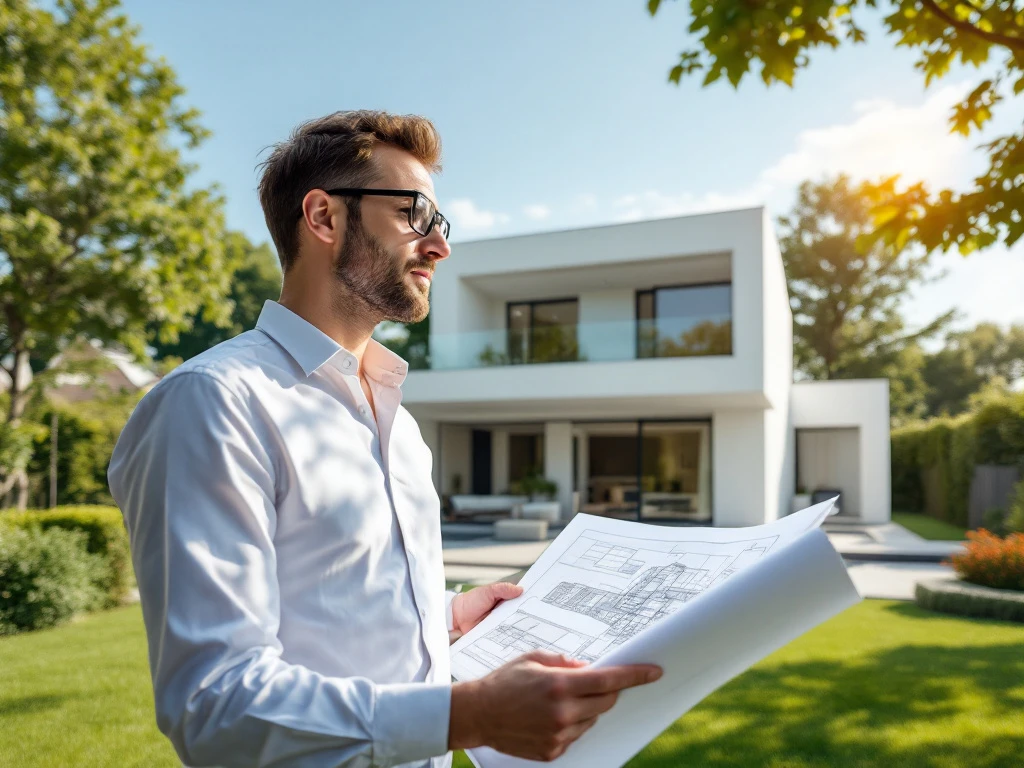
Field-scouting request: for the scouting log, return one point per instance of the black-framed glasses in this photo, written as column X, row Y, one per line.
column 423, row 214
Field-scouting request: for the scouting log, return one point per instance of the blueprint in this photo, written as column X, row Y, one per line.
column 605, row 588
column 702, row 603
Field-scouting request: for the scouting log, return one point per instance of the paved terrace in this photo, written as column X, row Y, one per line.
column 884, row 561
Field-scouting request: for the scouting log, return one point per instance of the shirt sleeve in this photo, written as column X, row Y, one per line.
column 449, row 598
column 197, row 491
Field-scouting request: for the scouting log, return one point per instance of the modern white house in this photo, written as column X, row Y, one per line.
column 647, row 369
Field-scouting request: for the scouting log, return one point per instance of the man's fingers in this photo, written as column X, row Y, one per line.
column 589, row 707
column 588, row 682
column 549, row 659
column 505, row 591
column 573, row 732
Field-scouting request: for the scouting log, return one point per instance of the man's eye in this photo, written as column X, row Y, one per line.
column 404, row 210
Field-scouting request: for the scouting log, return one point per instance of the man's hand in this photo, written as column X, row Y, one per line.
column 470, row 608
column 539, row 704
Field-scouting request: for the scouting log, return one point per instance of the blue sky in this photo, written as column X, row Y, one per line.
column 558, row 115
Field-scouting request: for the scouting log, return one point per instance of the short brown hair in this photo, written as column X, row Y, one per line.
column 334, row 151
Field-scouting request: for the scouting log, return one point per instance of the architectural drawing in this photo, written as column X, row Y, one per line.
column 599, row 592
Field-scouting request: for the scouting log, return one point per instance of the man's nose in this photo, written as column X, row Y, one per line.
column 436, row 246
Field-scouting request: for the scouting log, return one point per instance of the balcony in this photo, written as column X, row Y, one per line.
column 710, row 335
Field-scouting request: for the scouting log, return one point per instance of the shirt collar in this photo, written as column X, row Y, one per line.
column 311, row 348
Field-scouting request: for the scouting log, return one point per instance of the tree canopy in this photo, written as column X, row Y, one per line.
column 256, row 278
column 774, row 40
column 100, row 230
column 846, row 292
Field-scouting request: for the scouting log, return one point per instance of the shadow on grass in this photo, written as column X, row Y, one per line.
column 913, row 611
column 912, row 706
column 28, row 705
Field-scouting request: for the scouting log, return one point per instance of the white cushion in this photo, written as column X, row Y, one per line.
column 521, row 530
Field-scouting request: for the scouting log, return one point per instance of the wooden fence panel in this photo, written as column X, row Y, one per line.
column 991, row 488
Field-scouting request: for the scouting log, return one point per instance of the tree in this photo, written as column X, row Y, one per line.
column 845, row 292
column 970, row 361
column 100, row 232
column 735, row 36
column 256, row 279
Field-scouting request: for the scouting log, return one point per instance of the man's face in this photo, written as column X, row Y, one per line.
column 382, row 258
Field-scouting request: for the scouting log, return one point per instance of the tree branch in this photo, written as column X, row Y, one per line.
column 1013, row 43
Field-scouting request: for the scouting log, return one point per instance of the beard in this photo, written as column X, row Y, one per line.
column 378, row 277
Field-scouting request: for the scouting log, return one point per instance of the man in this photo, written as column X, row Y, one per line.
column 283, row 523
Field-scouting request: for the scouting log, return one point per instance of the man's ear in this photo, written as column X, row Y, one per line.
column 324, row 217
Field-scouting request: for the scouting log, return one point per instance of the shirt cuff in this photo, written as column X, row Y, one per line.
column 410, row 722
column 449, row 598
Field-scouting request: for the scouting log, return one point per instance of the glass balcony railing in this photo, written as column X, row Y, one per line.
column 605, row 342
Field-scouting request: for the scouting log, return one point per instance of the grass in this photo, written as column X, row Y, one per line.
column 883, row 684
column 929, row 528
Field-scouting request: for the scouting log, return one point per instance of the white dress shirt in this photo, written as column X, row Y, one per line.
column 287, row 547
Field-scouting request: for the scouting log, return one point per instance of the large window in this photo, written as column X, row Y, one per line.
column 543, row 331
column 647, row 470
column 684, row 321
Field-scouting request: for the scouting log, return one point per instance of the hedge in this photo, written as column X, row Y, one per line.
column 933, row 462
column 962, row 599
column 105, row 535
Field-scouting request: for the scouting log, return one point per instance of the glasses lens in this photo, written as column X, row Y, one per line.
column 422, row 214
column 445, row 226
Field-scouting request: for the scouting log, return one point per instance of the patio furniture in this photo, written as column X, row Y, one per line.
column 469, row 505
column 541, row 510
column 521, row 530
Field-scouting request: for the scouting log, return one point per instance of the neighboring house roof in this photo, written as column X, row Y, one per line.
column 123, row 373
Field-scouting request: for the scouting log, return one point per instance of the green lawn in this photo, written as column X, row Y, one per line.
column 884, row 684
column 928, row 527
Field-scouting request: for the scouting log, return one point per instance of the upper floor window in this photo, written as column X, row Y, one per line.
column 543, row 331
column 685, row 320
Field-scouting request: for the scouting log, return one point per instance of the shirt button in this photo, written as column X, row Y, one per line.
column 362, row 409
column 423, row 613
column 347, row 364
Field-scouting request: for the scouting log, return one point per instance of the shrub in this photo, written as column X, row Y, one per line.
column 933, row 462
column 991, row 561
column 46, row 577
column 961, row 599
column 995, row 520
column 105, row 536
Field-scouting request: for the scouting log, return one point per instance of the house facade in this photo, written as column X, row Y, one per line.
column 647, row 370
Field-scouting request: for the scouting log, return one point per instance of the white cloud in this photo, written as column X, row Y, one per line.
column 655, row 205
column 467, row 217
column 537, row 212
column 885, row 139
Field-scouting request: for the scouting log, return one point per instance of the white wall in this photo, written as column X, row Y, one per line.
column 862, row 403
column 777, row 330
column 558, row 461
column 738, row 467
column 499, row 460
column 456, row 457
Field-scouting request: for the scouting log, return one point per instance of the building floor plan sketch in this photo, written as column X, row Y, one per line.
column 704, row 604
column 604, row 589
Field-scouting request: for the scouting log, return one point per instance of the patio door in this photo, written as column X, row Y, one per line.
column 646, row 470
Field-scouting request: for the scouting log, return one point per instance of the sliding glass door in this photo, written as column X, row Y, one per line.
column 645, row 470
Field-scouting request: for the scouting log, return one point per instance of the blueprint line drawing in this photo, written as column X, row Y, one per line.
column 704, row 604
column 602, row 590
